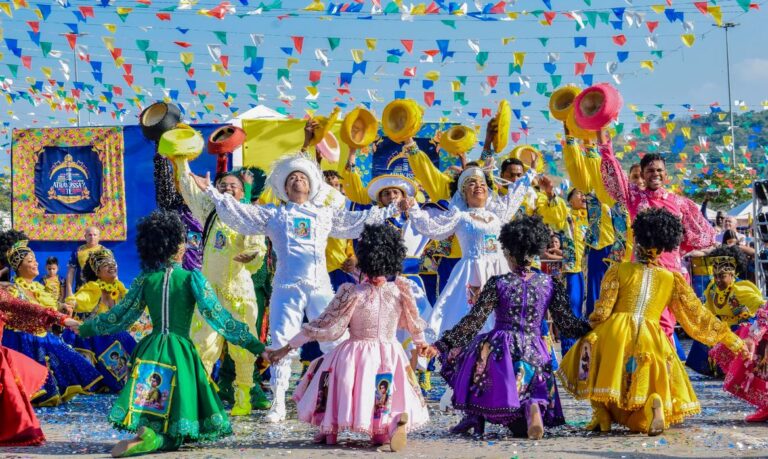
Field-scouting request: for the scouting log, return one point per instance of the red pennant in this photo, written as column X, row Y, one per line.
column 579, row 68
column 589, row 57
column 220, row 10
column 485, row 112
column 117, row 90
column 652, row 25
column 429, row 98
column 26, row 61
column 431, row 52
column 492, row 80
column 645, row 128
column 163, row 16
column 72, row 39
column 75, row 93
column 410, row 71
column 128, row 79
column 408, row 45
column 191, row 72
column 549, row 16
column 314, row 75
column 619, row 39
column 128, row 68
column 183, row 44
column 696, row 149
column 87, row 11
column 432, row 9
column 342, row 91
column 701, row 6
column 298, row 43
column 515, row 137
column 225, row 61
column 116, row 53
column 34, row 25
column 663, row 132
column 498, row 8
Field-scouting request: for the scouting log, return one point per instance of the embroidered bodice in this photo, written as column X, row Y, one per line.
column 299, row 233
column 737, row 303
column 520, row 306
column 369, row 312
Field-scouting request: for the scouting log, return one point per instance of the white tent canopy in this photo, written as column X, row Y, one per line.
column 259, row 112
column 742, row 212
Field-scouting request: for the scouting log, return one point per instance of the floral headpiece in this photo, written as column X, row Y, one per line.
column 722, row 264
column 17, row 253
column 99, row 258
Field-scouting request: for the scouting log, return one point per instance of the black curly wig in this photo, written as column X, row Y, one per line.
column 657, row 229
column 7, row 239
column 736, row 253
column 455, row 183
column 380, row 251
column 158, row 237
column 524, row 238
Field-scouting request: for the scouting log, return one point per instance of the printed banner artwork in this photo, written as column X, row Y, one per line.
column 388, row 156
column 66, row 179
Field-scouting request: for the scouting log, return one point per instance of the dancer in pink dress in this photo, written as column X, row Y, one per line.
column 366, row 384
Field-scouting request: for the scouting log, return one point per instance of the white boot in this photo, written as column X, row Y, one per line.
column 445, row 401
column 277, row 412
column 281, row 377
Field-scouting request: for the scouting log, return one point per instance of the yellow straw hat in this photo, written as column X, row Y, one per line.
column 325, row 123
column 576, row 131
column 561, row 101
column 503, row 125
column 359, row 128
column 458, row 140
column 181, row 142
column 527, row 154
column 401, row 119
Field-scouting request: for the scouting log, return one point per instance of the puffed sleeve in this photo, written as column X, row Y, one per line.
column 437, row 225
column 86, row 298
column 253, row 244
column 760, row 326
column 246, row 219
column 409, row 316
column 349, row 224
column 121, row 316
column 749, row 296
column 696, row 320
column 333, row 322
column 465, row 331
column 614, row 178
column 198, row 202
column 553, row 211
column 698, row 233
column 569, row 325
column 353, row 186
column 609, row 293
column 506, row 206
column 25, row 316
column 575, row 165
column 437, row 184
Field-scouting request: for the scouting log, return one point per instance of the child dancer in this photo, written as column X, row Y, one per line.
column 101, row 291
column 627, row 367
column 505, row 376
column 365, row 384
column 69, row 373
column 20, row 376
column 168, row 398
column 52, row 282
column 733, row 301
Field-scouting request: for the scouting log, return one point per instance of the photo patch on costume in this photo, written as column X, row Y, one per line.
column 194, row 239
column 115, row 360
column 153, row 387
column 220, row 242
column 383, row 400
column 585, row 357
column 302, row 228
column 523, row 375
column 322, row 392
column 490, row 243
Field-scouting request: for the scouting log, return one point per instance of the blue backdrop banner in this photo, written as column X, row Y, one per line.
column 68, row 179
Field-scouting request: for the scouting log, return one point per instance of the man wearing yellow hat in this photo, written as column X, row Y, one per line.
column 229, row 260
column 299, row 227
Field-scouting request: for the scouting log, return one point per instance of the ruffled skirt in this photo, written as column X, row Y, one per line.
column 110, row 354
column 361, row 386
column 20, row 378
column 746, row 379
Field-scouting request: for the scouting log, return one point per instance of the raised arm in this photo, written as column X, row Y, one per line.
column 698, row 233
column 436, row 225
column 348, row 224
column 615, row 180
column 86, row 298
column 197, row 201
column 121, row 316
column 697, row 321
column 353, row 184
column 466, row 330
column 25, row 316
column 609, row 293
column 437, row 184
column 506, row 206
column 246, row 219
column 333, row 322
column 220, row 319
column 409, row 316
column 575, row 164
column 569, row 325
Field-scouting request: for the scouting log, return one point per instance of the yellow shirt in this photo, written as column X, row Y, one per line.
column 88, row 297
column 555, row 213
column 738, row 303
column 337, row 251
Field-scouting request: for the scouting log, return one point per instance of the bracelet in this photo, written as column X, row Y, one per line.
column 486, row 153
column 570, row 140
column 351, row 167
column 411, row 149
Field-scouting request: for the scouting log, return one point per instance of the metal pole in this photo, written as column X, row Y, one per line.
column 74, row 58
column 727, row 26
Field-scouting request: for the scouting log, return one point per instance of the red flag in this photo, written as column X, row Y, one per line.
column 183, row 44
column 652, row 25
column 314, row 75
column 492, row 80
column 431, row 9
column 515, row 137
column 485, row 112
column 645, row 128
column 128, row 79
column 410, row 71
column 86, row 11
column 619, row 39
column 408, row 45
column 26, row 61
column 549, row 16
column 589, row 57
column 34, row 25
column 72, row 39
column 164, row 16
column 498, row 8
column 701, row 6
column 298, row 42
column 429, row 98
column 117, row 90
column 579, row 68
column 224, row 61
column 128, row 68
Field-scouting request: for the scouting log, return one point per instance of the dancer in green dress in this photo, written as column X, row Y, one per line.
column 168, row 398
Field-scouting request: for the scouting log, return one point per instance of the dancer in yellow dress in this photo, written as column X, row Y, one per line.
column 627, row 366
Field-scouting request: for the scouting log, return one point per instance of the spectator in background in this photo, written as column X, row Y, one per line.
column 729, row 224
column 80, row 257
column 636, row 176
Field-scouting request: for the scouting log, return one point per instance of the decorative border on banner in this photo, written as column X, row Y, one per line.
column 110, row 216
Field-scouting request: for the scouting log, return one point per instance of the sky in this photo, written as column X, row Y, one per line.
column 695, row 76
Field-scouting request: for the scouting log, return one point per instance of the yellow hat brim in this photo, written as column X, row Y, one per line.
column 525, row 154
column 503, row 126
column 370, row 129
column 181, row 142
column 458, row 140
column 325, row 123
column 401, row 119
column 561, row 101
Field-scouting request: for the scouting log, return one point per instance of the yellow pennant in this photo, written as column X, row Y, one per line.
column 727, row 140
column 688, row 39
column 316, row 5
column 187, row 58
column 357, row 55
column 290, row 61
column 47, row 71
column 507, row 40
column 658, row 9
column 716, row 13
column 647, row 65
column 110, row 27
column 6, row 8
column 518, row 58
column 432, row 75
column 671, row 127
column 109, row 42
column 221, row 86
column 370, row 43
column 455, row 86
column 312, row 90
column 686, row 132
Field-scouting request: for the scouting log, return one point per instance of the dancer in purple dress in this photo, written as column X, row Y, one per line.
column 505, row 376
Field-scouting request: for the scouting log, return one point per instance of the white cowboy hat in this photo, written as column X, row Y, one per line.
column 382, row 182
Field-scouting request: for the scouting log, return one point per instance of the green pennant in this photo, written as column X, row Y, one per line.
column 283, row 73
column 391, row 8
column 333, row 42
column 313, row 105
column 481, row 57
column 169, row 9
column 449, row 22
column 556, row 79
column 659, row 106
column 282, row 110
column 253, row 88
column 541, row 88
column 142, row 44
column 393, row 59
column 159, row 81
column 543, row 41
column 619, row 128
column 462, row 79
column 14, row 69
column 123, row 16
column 250, row 52
column 514, row 69
column 636, row 132
column 537, row 13
column 448, row 113
column 604, row 16
column 588, row 2
column 45, row 47
column 591, row 18
column 151, row 57
column 221, row 35
column 744, row 4
column 545, row 113
column 658, row 53
column 157, row 69
column 187, row 66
